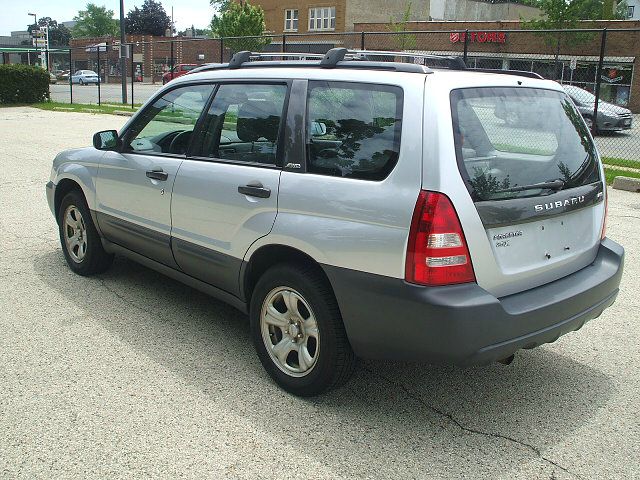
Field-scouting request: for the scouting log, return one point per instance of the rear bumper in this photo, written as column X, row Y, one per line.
column 464, row 324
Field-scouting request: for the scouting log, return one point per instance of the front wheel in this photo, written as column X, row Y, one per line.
column 79, row 238
column 81, row 82
column 298, row 332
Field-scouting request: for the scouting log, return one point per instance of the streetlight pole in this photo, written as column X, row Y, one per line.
column 123, row 58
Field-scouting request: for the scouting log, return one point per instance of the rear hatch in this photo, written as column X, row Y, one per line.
column 534, row 176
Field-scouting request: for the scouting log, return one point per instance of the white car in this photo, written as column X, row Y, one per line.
column 85, row 77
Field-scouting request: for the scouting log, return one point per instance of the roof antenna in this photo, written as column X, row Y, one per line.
column 332, row 57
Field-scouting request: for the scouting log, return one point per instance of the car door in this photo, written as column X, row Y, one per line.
column 133, row 190
column 225, row 195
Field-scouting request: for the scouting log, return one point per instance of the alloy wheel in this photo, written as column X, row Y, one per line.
column 290, row 331
column 75, row 233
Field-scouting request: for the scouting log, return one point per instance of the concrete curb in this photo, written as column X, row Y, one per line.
column 123, row 113
column 627, row 183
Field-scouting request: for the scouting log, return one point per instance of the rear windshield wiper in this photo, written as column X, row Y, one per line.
column 552, row 185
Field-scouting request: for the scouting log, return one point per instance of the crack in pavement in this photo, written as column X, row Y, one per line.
column 415, row 396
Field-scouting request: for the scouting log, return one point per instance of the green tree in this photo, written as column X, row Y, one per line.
column 151, row 19
column 220, row 5
column 59, row 35
column 564, row 15
column 95, row 21
column 241, row 20
column 403, row 41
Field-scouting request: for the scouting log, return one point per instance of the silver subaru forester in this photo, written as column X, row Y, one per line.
column 355, row 208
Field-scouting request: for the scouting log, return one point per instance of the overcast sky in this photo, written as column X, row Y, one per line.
column 13, row 14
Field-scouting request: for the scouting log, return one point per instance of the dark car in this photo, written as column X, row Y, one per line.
column 178, row 71
column 611, row 118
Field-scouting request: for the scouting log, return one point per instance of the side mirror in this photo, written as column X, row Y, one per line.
column 106, row 140
column 318, row 129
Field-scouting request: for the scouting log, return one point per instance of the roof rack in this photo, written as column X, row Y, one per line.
column 430, row 60
column 413, row 62
column 517, row 73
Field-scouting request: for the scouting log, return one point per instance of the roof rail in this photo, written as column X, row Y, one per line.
column 517, row 73
column 451, row 62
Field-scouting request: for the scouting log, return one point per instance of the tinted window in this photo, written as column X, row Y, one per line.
column 243, row 123
column 511, row 138
column 353, row 129
column 167, row 124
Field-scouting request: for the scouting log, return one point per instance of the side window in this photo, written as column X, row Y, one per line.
column 353, row 129
column 166, row 125
column 243, row 123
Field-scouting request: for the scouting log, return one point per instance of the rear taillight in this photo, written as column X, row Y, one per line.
column 437, row 252
column 604, row 218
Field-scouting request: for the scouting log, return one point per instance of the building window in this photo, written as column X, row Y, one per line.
column 322, row 18
column 630, row 11
column 291, row 20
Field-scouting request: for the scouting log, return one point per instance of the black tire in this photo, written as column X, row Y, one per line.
column 81, row 82
column 94, row 259
column 335, row 359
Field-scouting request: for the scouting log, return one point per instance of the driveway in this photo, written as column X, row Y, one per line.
column 132, row 374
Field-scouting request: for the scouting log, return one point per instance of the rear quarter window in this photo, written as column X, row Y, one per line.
column 508, row 139
column 353, row 129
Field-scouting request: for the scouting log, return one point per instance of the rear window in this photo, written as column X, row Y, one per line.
column 510, row 139
column 353, row 129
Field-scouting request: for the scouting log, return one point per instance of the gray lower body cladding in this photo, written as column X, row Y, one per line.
column 463, row 324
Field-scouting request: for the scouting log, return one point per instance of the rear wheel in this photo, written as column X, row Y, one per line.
column 79, row 238
column 298, row 332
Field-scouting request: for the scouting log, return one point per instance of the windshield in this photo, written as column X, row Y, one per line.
column 520, row 142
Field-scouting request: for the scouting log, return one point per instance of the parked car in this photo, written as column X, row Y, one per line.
column 52, row 78
column 354, row 209
column 611, row 118
column 178, row 71
column 85, row 77
column 62, row 75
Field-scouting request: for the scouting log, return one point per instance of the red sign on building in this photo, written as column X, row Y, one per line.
column 480, row 37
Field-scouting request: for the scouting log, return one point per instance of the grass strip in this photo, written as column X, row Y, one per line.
column 611, row 173
column 621, row 162
column 82, row 107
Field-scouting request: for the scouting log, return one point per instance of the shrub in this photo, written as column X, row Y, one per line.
column 23, row 84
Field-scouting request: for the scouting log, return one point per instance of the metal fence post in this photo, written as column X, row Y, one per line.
column 603, row 46
column 133, row 72
column 70, row 73
column 466, row 46
column 221, row 50
column 99, row 77
column 284, row 43
column 362, row 41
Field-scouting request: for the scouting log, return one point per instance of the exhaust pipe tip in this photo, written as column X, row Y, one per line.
column 508, row 360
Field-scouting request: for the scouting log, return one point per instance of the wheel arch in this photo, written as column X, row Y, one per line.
column 268, row 256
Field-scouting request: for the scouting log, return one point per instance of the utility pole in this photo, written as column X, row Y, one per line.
column 123, row 58
column 172, row 61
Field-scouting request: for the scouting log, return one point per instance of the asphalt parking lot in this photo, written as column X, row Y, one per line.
column 133, row 374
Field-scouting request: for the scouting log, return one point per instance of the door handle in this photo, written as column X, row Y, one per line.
column 254, row 191
column 157, row 174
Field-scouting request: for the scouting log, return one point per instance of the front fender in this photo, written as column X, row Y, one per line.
column 80, row 166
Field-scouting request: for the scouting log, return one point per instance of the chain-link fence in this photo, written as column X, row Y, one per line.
column 595, row 66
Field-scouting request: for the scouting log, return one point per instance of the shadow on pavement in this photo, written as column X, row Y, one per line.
column 392, row 417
